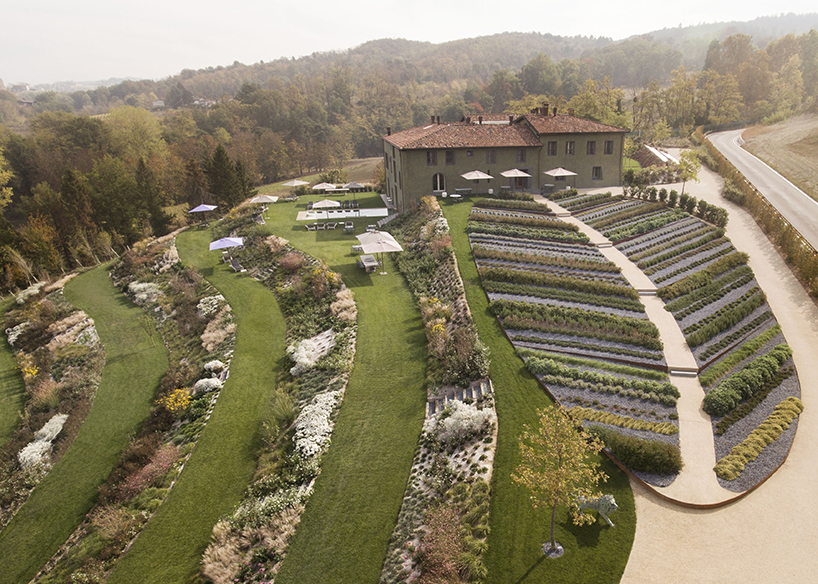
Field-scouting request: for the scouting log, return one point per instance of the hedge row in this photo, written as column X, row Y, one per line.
column 727, row 320
column 565, row 295
column 537, row 278
column 622, row 421
column 732, row 465
column 710, row 293
column 742, row 385
column 591, row 201
column 747, row 407
column 755, row 323
column 640, row 454
column 512, row 205
column 651, row 374
column 562, row 194
column 523, row 232
column 636, row 354
column 577, row 321
column 546, row 366
column 672, row 240
column 736, row 356
column 661, row 236
column 537, row 222
column 749, row 295
column 626, row 214
column 686, row 251
column 702, row 277
column 644, row 226
column 481, row 252
column 697, row 263
column 563, row 381
column 645, row 216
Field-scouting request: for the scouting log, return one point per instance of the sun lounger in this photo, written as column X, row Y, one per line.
column 311, row 226
column 332, row 225
column 320, row 226
column 349, row 227
column 237, row 267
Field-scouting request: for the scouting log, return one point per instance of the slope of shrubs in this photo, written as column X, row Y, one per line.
column 640, row 454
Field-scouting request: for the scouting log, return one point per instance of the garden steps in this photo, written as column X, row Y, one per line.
column 475, row 391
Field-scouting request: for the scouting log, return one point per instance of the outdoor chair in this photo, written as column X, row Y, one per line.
column 332, row 225
column 311, row 226
column 349, row 227
column 320, row 226
column 237, row 267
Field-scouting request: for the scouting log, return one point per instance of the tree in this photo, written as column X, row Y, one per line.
column 689, row 166
column 5, row 178
column 555, row 465
column 150, row 199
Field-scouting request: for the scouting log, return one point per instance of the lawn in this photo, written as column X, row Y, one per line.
column 346, row 528
column 215, row 477
column 129, row 381
column 592, row 553
column 12, row 389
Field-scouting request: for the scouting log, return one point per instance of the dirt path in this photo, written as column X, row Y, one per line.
column 697, row 482
column 772, row 533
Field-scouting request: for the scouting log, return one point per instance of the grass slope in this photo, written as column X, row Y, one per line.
column 346, row 528
column 592, row 553
column 214, row 479
column 129, row 380
column 12, row 388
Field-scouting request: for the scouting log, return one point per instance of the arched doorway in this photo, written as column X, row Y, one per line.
column 438, row 182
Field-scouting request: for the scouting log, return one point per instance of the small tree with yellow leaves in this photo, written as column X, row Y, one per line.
column 556, row 467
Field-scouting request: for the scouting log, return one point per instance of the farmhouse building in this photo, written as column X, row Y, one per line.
column 431, row 159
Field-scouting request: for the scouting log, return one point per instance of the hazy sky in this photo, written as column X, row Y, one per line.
column 44, row 41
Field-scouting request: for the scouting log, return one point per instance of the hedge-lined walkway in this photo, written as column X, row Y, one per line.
column 169, row 550
column 592, row 553
column 12, row 388
column 129, row 380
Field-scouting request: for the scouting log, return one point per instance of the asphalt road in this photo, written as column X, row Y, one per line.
column 795, row 205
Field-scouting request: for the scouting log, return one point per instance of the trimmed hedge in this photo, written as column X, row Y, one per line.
column 566, row 295
column 718, row 369
column 702, row 277
column 687, row 251
column 511, row 204
column 539, row 223
column 640, row 454
column 729, row 319
column 530, row 233
column 697, row 263
column 735, row 304
column 672, row 240
column 732, row 465
column 754, row 324
column 481, row 252
column 747, row 407
column 623, row 421
column 709, row 294
column 644, row 226
column 586, row 345
column 537, row 278
column 651, row 374
column 742, row 385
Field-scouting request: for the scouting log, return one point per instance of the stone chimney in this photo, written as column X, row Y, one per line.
column 480, row 120
column 388, row 131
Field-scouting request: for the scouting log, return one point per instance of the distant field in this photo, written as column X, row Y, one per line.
column 791, row 147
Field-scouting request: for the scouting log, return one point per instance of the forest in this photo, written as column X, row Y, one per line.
column 85, row 175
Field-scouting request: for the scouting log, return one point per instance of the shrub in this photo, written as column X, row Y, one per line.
column 640, row 454
column 464, row 421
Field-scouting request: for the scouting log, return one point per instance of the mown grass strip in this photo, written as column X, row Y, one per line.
column 12, row 388
column 215, row 477
column 129, row 382
column 593, row 553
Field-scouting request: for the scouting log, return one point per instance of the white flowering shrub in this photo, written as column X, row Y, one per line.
column 214, row 366
column 145, row 292
column 210, row 305
column 313, row 427
column 167, row 261
column 14, row 333
column 207, row 385
column 463, row 422
column 304, row 353
column 38, row 450
column 32, row 290
column 255, row 511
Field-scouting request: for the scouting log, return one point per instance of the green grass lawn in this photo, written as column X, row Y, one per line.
column 129, row 381
column 12, row 388
column 345, row 530
column 217, row 474
column 630, row 164
column 592, row 553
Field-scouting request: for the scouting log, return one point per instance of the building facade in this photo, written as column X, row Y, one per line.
column 431, row 159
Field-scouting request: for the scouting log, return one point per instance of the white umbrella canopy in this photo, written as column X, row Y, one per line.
column 226, row 242
column 378, row 242
column 326, row 204
column 559, row 171
column 354, row 185
column 203, row 208
column 323, row 186
column 264, row 199
column 515, row 173
column 476, row 175
column 295, row 183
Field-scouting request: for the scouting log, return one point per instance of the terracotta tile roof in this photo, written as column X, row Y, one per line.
column 568, row 124
column 463, row 135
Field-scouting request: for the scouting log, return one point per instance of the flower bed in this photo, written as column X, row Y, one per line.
column 60, row 358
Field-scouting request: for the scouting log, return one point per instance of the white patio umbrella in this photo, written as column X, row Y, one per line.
column 203, row 208
column 515, row 173
column 476, row 175
column 226, row 242
column 381, row 242
column 560, row 171
column 354, row 185
column 326, row 204
column 323, row 186
column 264, row 199
column 295, row 183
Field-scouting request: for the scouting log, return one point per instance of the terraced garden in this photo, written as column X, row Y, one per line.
column 744, row 364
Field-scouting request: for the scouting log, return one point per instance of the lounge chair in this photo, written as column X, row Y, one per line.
column 237, row 267
column 320, row 226
column 311, row 226
column 332, row 225
column 349, row 227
